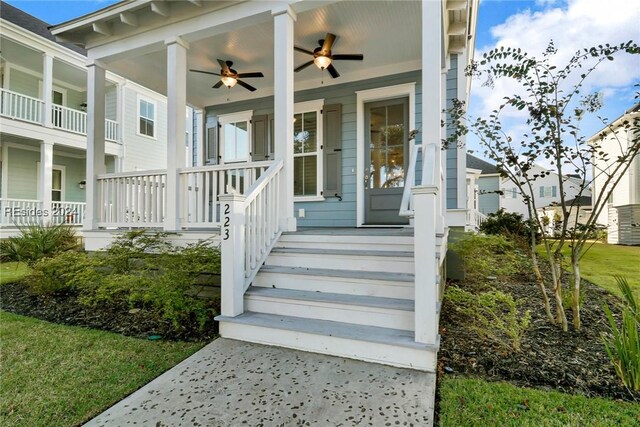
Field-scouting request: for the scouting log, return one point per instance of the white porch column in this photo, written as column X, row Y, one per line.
column 427, row 206
column 426, row 265
column 46, row 177
column 283, row 20
column 47, row 88
column 431, row 79
column 95, row 141
column 442, row 158
column 120, row 111
column 176, row 125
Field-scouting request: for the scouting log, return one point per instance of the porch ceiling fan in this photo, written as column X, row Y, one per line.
column 229, row 77
column 323, row 57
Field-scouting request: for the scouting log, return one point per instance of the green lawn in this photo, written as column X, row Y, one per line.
column 12, row 271
column 603, row 262
column 56, row 375
column 471, row 402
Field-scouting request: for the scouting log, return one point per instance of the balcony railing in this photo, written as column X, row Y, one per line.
column 22, row 107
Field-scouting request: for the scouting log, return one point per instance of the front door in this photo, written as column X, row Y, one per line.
column 386, row 148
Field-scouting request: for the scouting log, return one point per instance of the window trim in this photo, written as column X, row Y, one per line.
column 239, row 116
column 155, row 116
column 312, row 106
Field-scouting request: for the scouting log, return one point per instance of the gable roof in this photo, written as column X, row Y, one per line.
column 33, row 24
column 482, row 165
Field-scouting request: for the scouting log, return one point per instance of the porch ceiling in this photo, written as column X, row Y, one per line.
column 387, row 33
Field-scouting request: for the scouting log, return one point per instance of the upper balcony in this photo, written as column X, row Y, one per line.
column 28, row 109
column 49, row 88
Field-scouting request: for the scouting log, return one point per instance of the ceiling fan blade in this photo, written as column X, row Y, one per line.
column 205, row 72
column 328, row 43
column 350, row 56
column 246, row 86
column 249, row 75
column 332, row 70
column 299, row 49
column 303, row 66
column 223, row 65
column 217, row 85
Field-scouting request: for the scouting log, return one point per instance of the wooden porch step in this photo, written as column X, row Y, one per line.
column 343, row 259
column 355, row 309
column 354, row 282
column 394, row 347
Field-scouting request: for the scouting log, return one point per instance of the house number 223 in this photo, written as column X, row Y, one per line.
column 227, row 219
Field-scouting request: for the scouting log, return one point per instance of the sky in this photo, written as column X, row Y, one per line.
column 527, row 24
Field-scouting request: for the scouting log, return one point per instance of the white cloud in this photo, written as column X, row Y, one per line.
column 573, row 25
column 582, row 23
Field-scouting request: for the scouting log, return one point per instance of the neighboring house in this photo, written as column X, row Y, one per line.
column 545, row 189
column 488, row 185
column 43, row 125
column 579, row 212
column 333, row 221
column 622, row 213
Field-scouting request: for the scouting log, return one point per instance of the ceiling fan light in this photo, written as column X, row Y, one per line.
column 229, row 81
column 322, row 61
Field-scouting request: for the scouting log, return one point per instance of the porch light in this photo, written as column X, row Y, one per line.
column 229, row 81
column 82, row 184
column 322, row 62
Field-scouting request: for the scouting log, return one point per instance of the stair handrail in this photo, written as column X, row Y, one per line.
column 406, row 205
column 249, row 230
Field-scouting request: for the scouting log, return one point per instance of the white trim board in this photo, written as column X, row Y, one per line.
column 370, row 95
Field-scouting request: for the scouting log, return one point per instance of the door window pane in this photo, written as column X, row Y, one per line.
column 56, row 186
column 386, row 169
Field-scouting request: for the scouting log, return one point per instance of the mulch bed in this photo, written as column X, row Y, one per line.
column 65, row 309
column 573, row 361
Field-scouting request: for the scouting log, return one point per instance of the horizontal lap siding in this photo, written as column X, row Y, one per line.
column 141, row 152
column 331, row 212
column 452, row 152
column 22, row 171
column 74, row 173
column 23, row 83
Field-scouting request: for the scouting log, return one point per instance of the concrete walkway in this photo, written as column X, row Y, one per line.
column 233, row 383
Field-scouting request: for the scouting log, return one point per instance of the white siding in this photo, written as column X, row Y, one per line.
column 142, row 152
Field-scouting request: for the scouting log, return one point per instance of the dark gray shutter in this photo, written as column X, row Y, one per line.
column 260, row 148
column 332, row 150
column 212, row 147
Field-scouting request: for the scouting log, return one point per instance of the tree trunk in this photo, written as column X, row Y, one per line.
column 561, row 317
column 575, row 305
column 543, row 288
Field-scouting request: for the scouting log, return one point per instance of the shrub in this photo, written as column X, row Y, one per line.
column 509, row 224
column 36, row 242
column 62, row 273
column 489, row 256
column 493, row 315
column 623, row 347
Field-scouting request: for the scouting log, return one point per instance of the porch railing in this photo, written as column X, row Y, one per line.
column 406, row 206
column 111, row 130
column 26, row 108
column 21, row 212
column 71, row 213
column 250, row 228
column 69, row 119
column 21, row 107
column 201, row 186
column 475, row 218
column 132, row 199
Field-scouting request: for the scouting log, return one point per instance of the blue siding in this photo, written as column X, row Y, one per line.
column 332, row 212
column 452, row 152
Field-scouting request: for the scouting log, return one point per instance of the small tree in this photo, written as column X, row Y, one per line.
column 554, row 108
